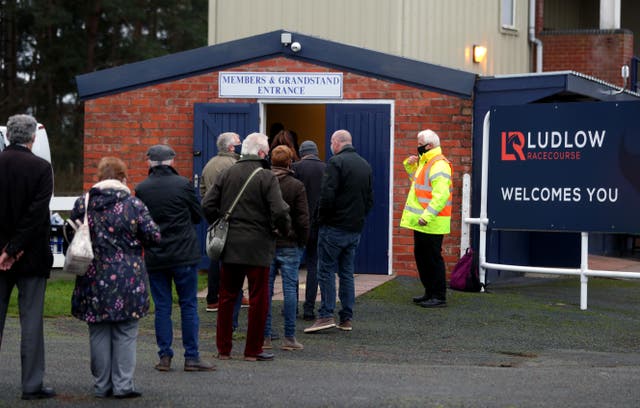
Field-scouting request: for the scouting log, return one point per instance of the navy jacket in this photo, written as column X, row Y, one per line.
column 173, row 205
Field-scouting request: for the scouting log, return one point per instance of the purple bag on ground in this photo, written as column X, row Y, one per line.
column 465, row 274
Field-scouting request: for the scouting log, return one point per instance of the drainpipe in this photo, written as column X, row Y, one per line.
column 532, row 35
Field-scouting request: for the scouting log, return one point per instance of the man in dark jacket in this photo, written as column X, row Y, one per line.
column 26, row 185
column 309, row 170
column 251, row 242
column 173, row 205
column 288, row 247
column 346, row 197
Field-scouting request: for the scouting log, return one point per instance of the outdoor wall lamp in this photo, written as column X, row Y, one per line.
column 479, row 52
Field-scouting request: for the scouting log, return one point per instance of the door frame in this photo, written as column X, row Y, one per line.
column 262, row 111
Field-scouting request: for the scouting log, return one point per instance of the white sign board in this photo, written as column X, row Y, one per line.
column 301, row 85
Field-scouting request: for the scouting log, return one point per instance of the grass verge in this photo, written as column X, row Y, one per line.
column 57, row 299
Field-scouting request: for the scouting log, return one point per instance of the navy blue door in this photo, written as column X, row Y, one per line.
column 209, row 120
column 370, row 127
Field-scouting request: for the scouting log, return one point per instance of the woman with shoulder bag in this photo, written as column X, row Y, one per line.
column 113, row 294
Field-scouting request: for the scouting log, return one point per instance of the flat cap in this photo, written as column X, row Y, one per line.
column 160, row 153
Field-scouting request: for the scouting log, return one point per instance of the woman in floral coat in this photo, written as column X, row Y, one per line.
column 114, row 294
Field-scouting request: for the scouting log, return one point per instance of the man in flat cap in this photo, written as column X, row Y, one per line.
column 173, row 204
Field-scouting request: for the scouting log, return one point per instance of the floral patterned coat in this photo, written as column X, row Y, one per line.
column 116, row 286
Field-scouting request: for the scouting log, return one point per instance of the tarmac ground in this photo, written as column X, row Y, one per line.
column 524, row 343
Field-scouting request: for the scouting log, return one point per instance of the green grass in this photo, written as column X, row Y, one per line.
column 57, row 299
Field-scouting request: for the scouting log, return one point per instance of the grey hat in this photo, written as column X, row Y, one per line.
column 308, row 147
column 160, row 153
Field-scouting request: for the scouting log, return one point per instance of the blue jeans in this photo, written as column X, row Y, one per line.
column 336, row 253
column 186, row 281
column 288, row 261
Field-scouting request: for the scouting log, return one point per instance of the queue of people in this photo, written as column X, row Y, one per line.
column 147, row 244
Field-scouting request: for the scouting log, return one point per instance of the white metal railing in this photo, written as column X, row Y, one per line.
column 60, row 204
column 584, row 272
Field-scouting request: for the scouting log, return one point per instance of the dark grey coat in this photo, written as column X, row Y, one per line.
column 309, row 170
column 259, row 212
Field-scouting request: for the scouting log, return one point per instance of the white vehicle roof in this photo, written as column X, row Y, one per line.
column 40, row 145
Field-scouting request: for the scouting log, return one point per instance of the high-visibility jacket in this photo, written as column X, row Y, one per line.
column 431, row 194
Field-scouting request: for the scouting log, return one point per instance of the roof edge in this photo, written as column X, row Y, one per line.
column 268, row 45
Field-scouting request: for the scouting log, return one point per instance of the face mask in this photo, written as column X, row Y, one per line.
column 237, row 148
column 422, row 150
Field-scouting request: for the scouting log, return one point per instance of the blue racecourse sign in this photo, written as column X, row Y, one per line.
column 565, row 167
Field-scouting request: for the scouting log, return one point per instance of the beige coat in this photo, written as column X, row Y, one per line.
column 215, row 166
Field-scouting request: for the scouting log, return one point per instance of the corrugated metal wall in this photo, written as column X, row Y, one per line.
column 440, row 32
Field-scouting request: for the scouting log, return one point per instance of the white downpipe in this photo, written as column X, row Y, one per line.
column 466, row 213
column 483, row 221
column 532, row 35
column 583, row 272
column 610, row 14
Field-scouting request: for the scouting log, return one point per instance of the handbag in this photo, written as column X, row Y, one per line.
column 217, row 232
column 80, row 252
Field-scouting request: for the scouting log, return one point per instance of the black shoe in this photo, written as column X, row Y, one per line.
column 264, row 356
column 309, row 317
column 420, row 299
column 130, row 394
column 42, row 393
column 433, row 302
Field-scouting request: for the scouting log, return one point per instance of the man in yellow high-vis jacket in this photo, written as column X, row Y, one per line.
column 427, row 212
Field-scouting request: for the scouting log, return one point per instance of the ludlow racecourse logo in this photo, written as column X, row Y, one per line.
column 548, row 145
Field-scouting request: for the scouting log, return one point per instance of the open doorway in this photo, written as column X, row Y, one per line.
column 307, row 121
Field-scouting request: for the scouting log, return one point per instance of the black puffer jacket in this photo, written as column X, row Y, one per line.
column 293, row 193
column 260, row 211
column 173, row 205
column 346, row 195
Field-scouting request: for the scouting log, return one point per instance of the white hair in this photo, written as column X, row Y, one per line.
column 428, row 136
column 21, row 129
column 255, row 143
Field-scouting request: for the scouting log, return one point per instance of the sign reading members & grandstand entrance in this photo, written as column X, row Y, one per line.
column 565, row 167
column 301, row 85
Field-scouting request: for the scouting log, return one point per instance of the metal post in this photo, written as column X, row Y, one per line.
column 584, row 267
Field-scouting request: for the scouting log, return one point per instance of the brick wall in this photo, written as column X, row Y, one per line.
column 599, row 53
column 126, row 124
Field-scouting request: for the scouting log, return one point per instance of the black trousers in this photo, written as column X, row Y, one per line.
column 214, row 282
column 427, row 250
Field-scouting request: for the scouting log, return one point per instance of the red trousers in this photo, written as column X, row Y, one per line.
column 231, row 280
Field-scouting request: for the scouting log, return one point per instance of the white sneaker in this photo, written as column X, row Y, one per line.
column 321, row 324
